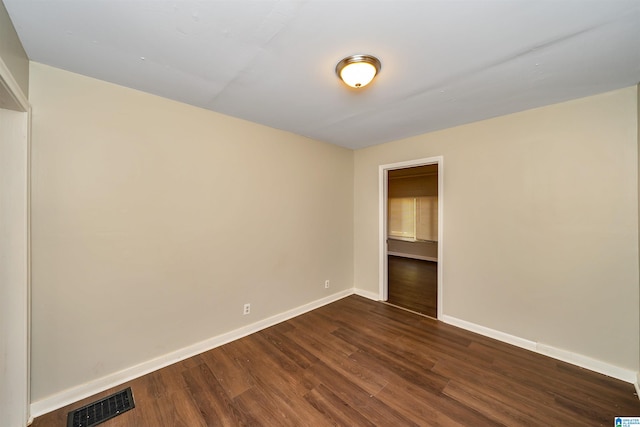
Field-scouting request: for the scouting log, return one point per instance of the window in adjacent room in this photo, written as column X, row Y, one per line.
column 413, row 218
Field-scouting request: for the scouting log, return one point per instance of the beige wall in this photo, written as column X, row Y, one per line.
column 154, row 222
column 12, row 53
column 540, row 223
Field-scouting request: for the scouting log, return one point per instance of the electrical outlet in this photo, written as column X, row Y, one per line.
column 247, row 309
column 326, row 284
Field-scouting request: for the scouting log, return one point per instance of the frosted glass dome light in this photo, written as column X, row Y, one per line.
column 357, row 71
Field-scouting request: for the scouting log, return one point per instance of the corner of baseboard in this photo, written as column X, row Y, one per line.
column 637, row 385
column 366, row 294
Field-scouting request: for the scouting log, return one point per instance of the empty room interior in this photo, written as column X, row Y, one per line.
column 208, row 217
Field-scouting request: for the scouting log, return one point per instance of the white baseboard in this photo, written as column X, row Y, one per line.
column 547, row 350
column 586, row 362
column 491, row 333
column 637, row 384
column 82, row 391
column 366, row 294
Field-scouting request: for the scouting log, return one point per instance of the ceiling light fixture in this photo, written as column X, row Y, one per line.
column 358, row 70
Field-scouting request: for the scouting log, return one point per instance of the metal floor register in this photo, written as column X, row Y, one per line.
column 101, row 410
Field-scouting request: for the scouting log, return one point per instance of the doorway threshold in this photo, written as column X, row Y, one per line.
column 409, row 310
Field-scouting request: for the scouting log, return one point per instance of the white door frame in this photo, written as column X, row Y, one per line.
column 15, row 202
column 383, row 174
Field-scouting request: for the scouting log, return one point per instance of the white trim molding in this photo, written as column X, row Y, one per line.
column 13, row 88
column 587, row 362
column 85, row 390
column 576, row 359
column 18, row 136
column 491, row 333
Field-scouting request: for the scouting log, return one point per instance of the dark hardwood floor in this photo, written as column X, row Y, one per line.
column 357, row 362
column 413, row 284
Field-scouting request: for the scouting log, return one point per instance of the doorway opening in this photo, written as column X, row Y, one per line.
column 411, row 235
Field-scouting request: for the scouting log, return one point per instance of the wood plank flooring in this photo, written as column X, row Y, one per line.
column 413, row 284
column 356, row 362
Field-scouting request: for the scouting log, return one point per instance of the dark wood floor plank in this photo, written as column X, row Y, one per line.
column 334, row 410
column 356, row 362
column 267, row 409
column 419, row 374
column 420, row 409
column 499, row 387
column 609, row 386
column 271, row 371
column 316, row 332
column 357, row 398
column 493, row 409
column 288, row 347
column 496, row 396
column 175, row 409
column 413, row 284
column 345, row 365
column 216, row 406
column 228, row 371
column 552, row 382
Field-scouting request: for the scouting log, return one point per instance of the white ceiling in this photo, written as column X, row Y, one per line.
column 444, row 62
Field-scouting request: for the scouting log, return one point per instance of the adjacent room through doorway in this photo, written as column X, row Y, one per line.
column 412, row 238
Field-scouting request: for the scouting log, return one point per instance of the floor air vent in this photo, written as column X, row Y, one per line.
column 102, row 410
